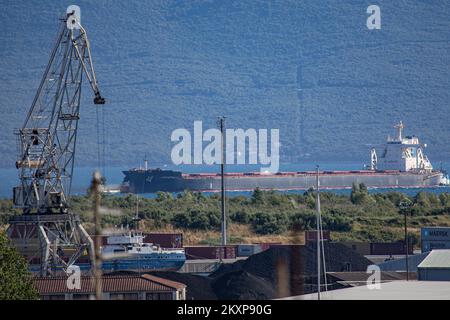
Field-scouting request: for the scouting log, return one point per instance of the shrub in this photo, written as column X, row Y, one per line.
column 241, row 216
column 181, row 220
column 199, row 220
column 303, row 220
column 16, row 282
column 257, row 196
column 267, row 223
column 336, row 223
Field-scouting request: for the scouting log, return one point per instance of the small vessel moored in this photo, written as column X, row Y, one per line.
column 128, row 252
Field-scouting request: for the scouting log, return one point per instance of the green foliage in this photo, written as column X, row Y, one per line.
column 181, row 220
column 269, row 223
column 336, row 222
column 196, row 219
column 163, row 196
column 7, row 211
column 423, row 200
column 359, row 216
column 241, row 216
column 15, row 281
column 257, row 196
column 360, row 194
column 305, row 220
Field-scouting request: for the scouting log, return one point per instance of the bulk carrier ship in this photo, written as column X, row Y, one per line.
column 402, row 164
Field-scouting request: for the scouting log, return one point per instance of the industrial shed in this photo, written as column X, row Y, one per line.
column 399, row 264
column 394, row 290
column 436, row 266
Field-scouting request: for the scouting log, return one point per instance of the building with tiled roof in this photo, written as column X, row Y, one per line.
column 114, row 287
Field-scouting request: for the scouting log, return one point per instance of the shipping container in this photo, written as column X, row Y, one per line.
column 246, row 250
column 311, row 235
column 210, row 252
column 362, row 248
column 230, row 252
column 389, row 248
column 435, row 234
column 266, row 245
column 287, row 246
column 434, row 245
column 165, row 240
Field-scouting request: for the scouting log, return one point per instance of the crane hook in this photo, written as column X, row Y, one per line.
column 98, row 99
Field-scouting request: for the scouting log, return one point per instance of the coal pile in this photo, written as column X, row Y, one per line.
column 242, row 285
column 282, row 271
column 198, row 287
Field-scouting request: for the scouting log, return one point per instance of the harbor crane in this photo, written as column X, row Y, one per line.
column 47, row 231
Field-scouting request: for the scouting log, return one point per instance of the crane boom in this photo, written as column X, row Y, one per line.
column 47, row 139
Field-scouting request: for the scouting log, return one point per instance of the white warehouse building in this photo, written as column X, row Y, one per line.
column 436, row 266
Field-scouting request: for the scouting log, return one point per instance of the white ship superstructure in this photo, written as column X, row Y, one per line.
column 400, row 164
column 404, row 154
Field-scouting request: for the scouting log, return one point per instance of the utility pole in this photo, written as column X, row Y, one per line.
column 407, row 246
column 318, row 231
column 96, row 182
column 404, row 205
column 221, row 123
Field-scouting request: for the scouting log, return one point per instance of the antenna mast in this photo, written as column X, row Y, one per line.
column 318, row 231
column 222, row 174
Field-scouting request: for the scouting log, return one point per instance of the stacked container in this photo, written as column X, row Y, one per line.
column 210, row 252
column 165, row 240
column 361, row 248
column 246, row 250
column 311, row 235
column 389, row 248
column 435, row 238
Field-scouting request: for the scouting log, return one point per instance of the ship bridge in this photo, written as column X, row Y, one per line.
column 401, row 153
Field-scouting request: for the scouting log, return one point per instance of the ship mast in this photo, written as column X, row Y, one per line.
column 320, row 244
column 399, row 127
column 318, row 231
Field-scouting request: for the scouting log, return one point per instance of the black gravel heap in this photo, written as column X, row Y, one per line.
column 278, row 272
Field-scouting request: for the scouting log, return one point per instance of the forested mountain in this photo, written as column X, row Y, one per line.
column 310, row 68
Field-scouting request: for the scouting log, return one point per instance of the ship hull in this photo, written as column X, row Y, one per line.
column 135, row 264
column 142, row 264
column 287, row 181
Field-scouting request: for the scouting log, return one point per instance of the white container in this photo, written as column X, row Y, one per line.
column 246, row 250
column 435, row 245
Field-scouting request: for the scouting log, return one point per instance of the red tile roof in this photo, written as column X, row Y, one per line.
column 165, row 282
column 117, row 283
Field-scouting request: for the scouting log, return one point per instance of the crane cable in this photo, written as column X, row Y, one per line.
column 98, row 137
column 103, row 143
column 101, row 146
